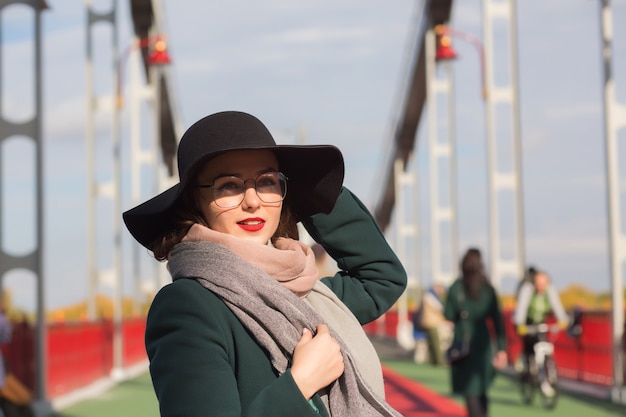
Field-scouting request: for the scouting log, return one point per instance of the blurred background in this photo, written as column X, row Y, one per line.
column 474, row 123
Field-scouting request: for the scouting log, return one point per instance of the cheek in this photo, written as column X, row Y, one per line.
column 210, row 216
column 276, row 218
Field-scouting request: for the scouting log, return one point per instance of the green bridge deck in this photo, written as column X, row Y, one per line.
column 135, row 397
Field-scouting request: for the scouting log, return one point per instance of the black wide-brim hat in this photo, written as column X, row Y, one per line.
column 315, row 172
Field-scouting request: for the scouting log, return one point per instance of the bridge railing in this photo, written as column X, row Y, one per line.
column 80, row 353
column 77, row 353
column 587, row 358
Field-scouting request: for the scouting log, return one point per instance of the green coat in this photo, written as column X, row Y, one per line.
column 203, row 362
column 474, row 375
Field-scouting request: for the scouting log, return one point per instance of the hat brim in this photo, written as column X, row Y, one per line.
column 315, row 177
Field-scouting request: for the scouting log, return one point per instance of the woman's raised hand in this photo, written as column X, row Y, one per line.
column 317, row 361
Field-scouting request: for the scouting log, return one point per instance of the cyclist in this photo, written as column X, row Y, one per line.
column 535, row 300
column 529, row 276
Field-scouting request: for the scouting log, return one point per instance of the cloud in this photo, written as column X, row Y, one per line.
column 467, row 13
column 317, row 35
column 65, row 118
column 574, row 111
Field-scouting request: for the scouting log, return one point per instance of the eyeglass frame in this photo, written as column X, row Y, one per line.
column 281, row 176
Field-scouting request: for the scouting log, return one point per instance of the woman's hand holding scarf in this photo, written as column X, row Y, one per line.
column 317, row 361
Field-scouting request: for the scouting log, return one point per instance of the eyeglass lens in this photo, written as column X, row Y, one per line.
column 271, row 187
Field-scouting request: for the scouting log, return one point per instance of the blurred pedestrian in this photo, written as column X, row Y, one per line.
column 429, row 319
column 15, row 397
column 470, row 302
column 6, row 331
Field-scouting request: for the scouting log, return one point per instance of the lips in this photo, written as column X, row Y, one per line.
column 252, row 225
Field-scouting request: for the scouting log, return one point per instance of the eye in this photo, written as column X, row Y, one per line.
column 228, row 185
column 267, row 180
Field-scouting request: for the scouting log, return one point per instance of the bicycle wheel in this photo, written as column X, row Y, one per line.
column 527, row 388
column 528, row 382
column 549, row 389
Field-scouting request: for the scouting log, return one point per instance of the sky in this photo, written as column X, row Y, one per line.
column 336, row 71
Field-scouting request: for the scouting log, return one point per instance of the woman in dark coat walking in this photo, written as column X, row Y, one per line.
column 247, row 327
column 471, row 301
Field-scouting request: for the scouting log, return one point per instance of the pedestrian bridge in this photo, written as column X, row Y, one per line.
column 80, row 374
column 413, row 389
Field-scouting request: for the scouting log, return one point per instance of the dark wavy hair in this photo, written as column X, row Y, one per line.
column 473, row 273
column 186, row 212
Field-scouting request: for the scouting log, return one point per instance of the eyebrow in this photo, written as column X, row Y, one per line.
column 262, row 171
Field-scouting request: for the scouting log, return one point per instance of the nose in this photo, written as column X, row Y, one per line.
column 250, row 198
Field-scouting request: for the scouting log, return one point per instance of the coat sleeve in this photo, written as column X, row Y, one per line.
column 495, row 312
column 371, row 277
column 191, row 362
column 450, row 307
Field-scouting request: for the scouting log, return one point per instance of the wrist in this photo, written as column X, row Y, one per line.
column 307, row 391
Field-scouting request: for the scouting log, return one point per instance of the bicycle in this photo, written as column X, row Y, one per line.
column 540, row 370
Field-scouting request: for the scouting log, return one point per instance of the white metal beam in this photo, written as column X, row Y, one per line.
column 442, row 148
column 104, row 190
column 503, row 181
column 614, row 121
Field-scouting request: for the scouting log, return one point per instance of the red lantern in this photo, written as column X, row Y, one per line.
column 444, row 51
column 159, row 55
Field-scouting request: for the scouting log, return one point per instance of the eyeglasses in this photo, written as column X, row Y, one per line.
column 229, row 191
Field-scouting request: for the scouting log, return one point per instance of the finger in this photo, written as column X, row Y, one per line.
column 321, row 328
column 306, row 336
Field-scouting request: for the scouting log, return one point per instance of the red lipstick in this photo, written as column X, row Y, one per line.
column 252, row 225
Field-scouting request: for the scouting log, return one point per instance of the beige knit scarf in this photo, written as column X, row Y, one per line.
column 275, row 293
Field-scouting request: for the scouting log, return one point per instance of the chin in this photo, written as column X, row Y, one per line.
column 257, row 239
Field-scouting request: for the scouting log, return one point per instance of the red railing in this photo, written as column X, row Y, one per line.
column 587, row 358
column 81, row 353
column 77, row 354
column 20, row 353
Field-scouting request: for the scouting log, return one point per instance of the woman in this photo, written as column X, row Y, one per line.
column 246, row 328
column 471, row 301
